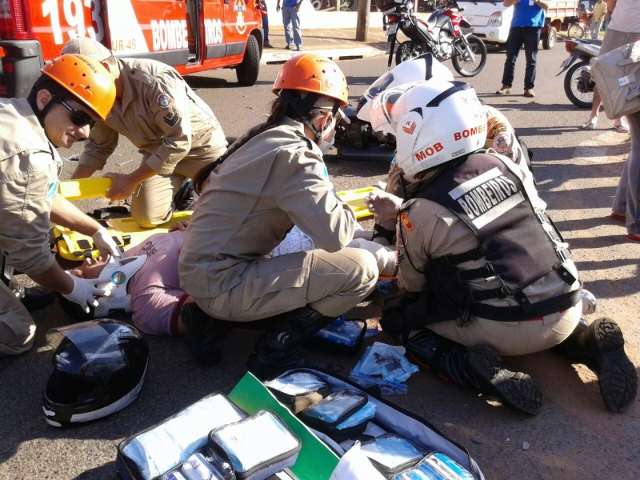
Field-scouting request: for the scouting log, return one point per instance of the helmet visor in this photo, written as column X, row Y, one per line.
column 91, row 349
column 376, row 88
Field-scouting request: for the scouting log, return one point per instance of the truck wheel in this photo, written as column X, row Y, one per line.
column 549, row 38
column 247, row 71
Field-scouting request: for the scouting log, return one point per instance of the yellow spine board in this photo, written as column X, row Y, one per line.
column 356, row 199
column 127, row 233
column 84, row 188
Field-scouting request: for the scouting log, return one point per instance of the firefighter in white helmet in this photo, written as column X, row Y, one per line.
column 482, row 270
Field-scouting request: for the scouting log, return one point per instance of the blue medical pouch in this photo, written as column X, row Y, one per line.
column 435, row 466
column 341, row 335
column 391, row 453
column 341, row 415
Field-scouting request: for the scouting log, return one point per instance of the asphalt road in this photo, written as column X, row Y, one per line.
column 572, row 438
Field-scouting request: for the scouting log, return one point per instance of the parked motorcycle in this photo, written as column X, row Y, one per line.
column 578, row 84
column 445, row 33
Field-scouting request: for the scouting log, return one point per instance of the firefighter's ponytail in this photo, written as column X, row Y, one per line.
column 279, row 110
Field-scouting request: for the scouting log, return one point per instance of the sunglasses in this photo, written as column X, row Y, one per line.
column 79, row 118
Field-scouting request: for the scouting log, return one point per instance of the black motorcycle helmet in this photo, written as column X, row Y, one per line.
column 98, row 369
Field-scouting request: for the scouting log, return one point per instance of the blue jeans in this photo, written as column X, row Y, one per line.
column 265, row 28
column 627, row 198
column 291, row 20
column 530, row 37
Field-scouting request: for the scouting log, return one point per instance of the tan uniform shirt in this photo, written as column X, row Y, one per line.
column 248, row 204
column 431, row 230
column 599, row 11
column 159, row 113
column 29, row 169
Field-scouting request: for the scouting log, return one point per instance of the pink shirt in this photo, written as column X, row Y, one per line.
column 155, row 288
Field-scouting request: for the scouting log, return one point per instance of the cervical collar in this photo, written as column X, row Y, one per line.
column 115, row 277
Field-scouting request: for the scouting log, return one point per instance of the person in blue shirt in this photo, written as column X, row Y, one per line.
column 527, row 23
column 291, row 21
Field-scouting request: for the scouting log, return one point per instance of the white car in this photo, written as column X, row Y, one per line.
column 489, row 20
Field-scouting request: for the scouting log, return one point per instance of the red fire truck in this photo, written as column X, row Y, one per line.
column 191, row 35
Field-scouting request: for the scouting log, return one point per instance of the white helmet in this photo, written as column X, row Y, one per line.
column 379, row 113
column 435, row 122
column 420, row 68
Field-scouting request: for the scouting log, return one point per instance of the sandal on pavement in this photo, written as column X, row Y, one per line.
column 621, row 128
column 590, row 124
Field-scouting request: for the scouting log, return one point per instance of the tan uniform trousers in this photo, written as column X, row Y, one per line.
column 17, row 328
column 152, row 201
column 514, row 338
column 329, row 283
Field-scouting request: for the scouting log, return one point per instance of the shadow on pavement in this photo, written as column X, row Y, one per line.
column 106, row 471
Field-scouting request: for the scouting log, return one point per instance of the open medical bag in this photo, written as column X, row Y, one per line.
column 204, row 441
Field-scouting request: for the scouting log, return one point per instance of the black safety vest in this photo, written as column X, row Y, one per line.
column 517, row 244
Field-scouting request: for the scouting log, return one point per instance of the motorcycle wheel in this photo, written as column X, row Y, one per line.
column 579, row 99
column 461, row 64
column 408, row 50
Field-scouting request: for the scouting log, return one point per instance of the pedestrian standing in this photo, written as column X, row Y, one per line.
column 626, row 205
column 527, row 23
column 291, row 21
column 623, row 28
column 597, row 18
column 265, row 24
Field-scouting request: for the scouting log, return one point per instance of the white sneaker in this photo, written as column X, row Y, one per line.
column 590, row 124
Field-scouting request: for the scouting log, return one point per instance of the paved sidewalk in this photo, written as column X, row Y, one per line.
column 338, row 44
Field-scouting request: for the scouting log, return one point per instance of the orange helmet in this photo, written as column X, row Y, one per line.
column 315, row 74
column 86, row 79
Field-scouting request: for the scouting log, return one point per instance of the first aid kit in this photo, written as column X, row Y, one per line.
column 617, row 75
column 397, row 444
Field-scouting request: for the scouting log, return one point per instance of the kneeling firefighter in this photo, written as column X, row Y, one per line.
column 269, row 180
column 481, row 265
column 72, row 93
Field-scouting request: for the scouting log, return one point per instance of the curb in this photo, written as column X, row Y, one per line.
column 275, row 58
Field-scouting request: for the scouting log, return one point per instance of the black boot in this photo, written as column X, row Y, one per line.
column 278, row 349
column 36, row 298
column 185, row 197
column 478, row 367
column 202, row 334
column 600, row 346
